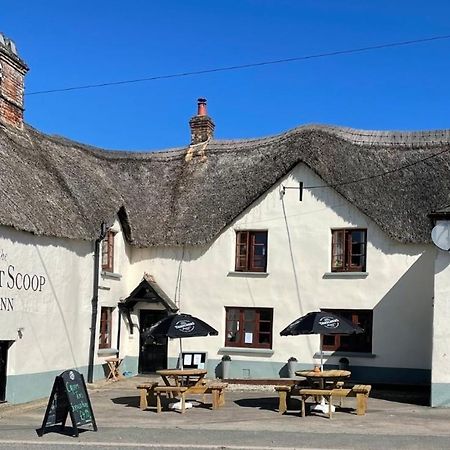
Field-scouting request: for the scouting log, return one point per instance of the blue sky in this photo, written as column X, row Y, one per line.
column 70, row 43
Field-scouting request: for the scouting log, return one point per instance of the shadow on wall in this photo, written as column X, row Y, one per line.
column 284, row 371
column 403, row 321
column 219, row 370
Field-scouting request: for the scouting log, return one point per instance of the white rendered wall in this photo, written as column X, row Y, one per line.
column 441, row 337
column 49, row 325
column 398, row 286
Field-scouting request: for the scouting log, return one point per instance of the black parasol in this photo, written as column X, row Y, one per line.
column 179, row 326
column 321, row 322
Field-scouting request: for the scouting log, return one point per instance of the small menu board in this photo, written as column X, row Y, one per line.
column 69, row 396
column 194, row 360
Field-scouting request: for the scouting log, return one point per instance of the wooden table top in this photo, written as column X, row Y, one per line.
column 181, row 372
column 113, row 359
column 323, row 373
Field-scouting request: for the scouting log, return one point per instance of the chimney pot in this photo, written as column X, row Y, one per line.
column 201, row 109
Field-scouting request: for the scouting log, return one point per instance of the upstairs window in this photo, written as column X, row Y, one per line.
column 105, row 327
column 348, row 253
column 249, row 327
column 108, row 251
column 352, row 342
column 251, row 251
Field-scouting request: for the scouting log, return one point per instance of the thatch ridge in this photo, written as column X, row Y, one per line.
column 57, row 187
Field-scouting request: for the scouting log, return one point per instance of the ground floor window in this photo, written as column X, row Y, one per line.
column 105, row 327
column 249, row 327
column 354, row 342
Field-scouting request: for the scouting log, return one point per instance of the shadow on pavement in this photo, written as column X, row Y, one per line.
column 132, row 402
column 266, row 403
column 414, row 395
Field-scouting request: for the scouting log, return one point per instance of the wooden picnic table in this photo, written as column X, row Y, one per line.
column 191, row 378
column 182, row 382
column 324, row 377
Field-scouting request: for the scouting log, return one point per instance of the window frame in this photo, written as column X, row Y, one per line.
column 246, row 257
column 354, row 343
column 341, row 238
column 108, row 251
column 105, row 327
column 241, row 330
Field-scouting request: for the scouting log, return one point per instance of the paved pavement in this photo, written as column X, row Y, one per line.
column 248, row 420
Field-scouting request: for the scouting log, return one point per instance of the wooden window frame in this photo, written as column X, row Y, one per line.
column 357, row 343
column 342, row 250
column 108, row 251
column 241, row 329
column 247, row 259
column 105, row 336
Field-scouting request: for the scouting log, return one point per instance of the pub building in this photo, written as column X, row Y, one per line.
column 248, row 235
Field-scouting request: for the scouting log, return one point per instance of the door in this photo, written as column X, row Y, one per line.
column 152, row 355
column 4, row 345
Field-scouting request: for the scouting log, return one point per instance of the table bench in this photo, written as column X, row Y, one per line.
column 285, row 392
column 147, row 394
column 170, row 392
column 151, row 391
column 360, row 391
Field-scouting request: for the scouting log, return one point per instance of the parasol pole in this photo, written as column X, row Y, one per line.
column 181, row 355
column 321, row 352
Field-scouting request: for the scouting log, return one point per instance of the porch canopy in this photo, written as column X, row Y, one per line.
column 146, row 291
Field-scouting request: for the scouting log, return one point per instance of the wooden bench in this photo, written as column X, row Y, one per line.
column 151, row 391
column 170, row 392
column 215, row 388
column 285, row 392
column 147, row 394
column 360, row 391
column 217, row 391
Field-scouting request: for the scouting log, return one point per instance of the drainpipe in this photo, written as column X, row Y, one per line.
column 95, row 301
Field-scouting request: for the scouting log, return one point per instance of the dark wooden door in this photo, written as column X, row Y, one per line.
column 4, row 345
column 152, row 355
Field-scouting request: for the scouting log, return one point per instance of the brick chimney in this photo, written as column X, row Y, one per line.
column 12, row 73
column 202, row 126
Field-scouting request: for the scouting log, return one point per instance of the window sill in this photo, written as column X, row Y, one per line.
column 248, row 274
column 246, row 351
column 106, row 351
column 106, row 274
column 345, row 275
column 329, row 353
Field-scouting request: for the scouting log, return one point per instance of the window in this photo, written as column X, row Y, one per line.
column 348, row 253
column 352, row 342
column 249, row 327
column 108, row 251
column 251, row 251
column 105, row 327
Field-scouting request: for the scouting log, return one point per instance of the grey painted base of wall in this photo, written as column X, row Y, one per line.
column 26, row 388
column 440, row 395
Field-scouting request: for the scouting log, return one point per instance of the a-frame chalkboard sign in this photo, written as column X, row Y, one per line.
column 69, row 397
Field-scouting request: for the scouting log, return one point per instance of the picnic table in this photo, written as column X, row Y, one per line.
column 182, row 382
column 324, row 379
column 190, row 378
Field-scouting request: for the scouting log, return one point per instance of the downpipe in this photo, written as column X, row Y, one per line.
column 90, row 376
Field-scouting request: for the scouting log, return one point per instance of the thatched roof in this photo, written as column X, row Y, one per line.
column 56, row 187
